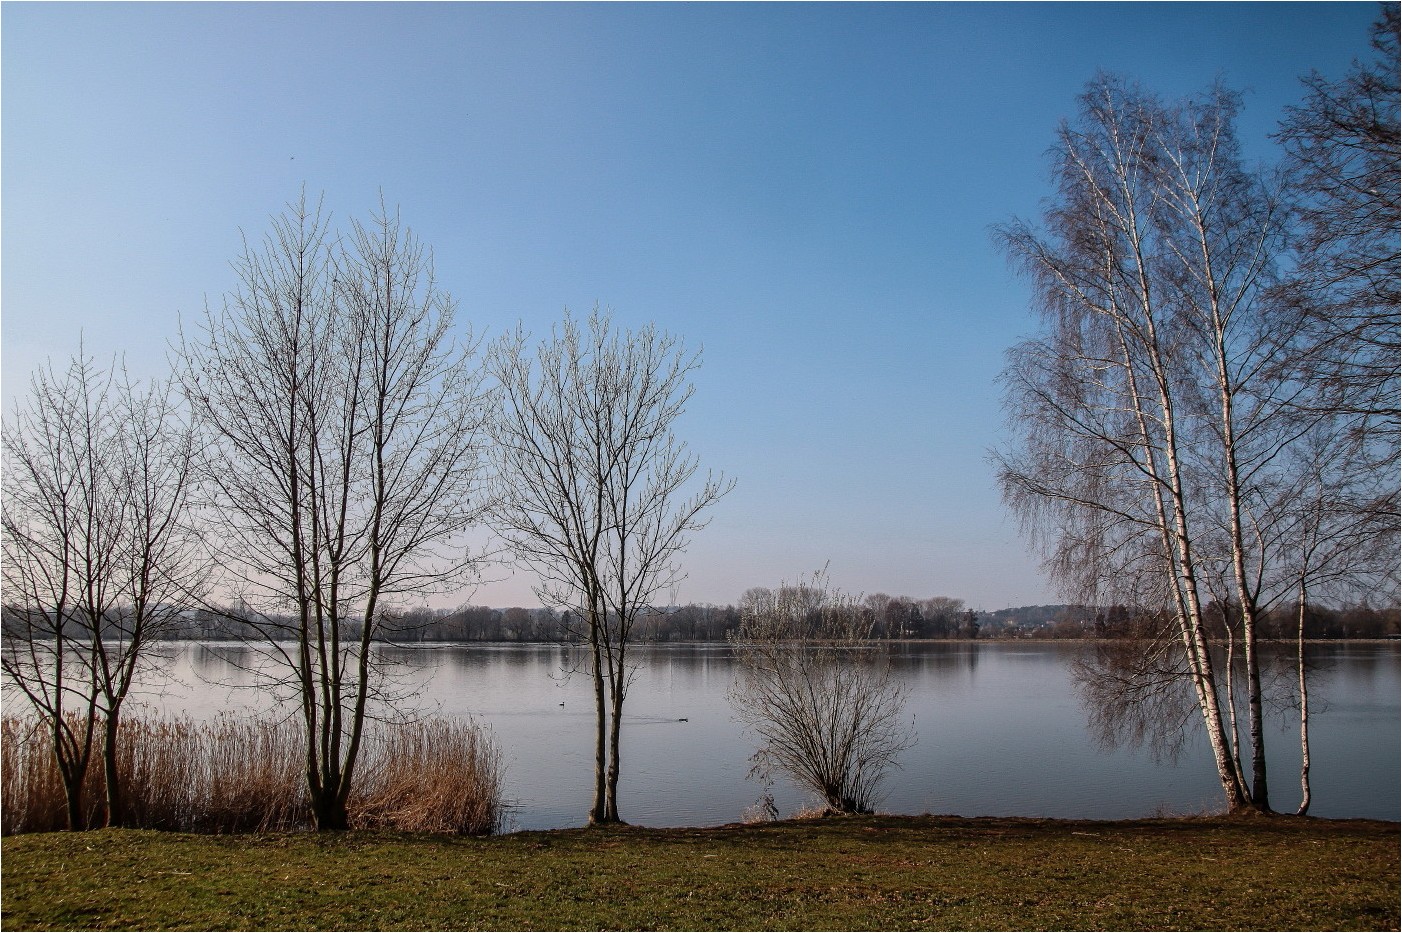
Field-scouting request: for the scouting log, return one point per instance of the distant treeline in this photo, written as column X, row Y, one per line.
column 892, row 617
column 1282, row 622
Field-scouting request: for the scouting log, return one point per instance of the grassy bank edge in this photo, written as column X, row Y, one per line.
column 883, row 872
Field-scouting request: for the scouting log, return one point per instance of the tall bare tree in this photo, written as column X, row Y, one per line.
column 163, row 566
column 61, row 538
column 819, row 695
column 592, row 493
column 99, row 555
column 1163, row 413
column 1342, row 159
column 1136, row 408
column 343, row 423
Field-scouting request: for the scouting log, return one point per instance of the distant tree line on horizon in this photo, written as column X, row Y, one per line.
column 891, row 618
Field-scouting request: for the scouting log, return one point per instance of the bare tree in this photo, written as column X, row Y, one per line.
column 592, row 492
column 1341, row 152
column 1162, row 412
column 941, row 615
column 61, row 523
column 818, row 693
column 877, row 605
column 98, row 555
column 162, row 567
column 1342, row 158
column 343, row 424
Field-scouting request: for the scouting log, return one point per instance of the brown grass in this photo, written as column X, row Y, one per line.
column 238, row 775
column 229, row 775
column 31, row 791
column 438, row 776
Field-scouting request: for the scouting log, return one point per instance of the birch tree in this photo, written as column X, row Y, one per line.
column 343, row 422
column 593, row 493
column 1165, row 413
column 1147, row 279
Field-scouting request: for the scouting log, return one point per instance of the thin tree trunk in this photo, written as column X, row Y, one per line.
column 615, row 729
column 1231, row 695
column 1199, row 653
column 1173, row 539
column 73, row 793
column 116, row 813
column 73, row 770
column 1226, row 388
column 1184, row 585
column 1304, row 713
column 1260, row 794
column 598, row 813
column 73, row 778
column 1199, row 656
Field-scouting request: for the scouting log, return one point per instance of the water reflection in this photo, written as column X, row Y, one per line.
column 911, row 657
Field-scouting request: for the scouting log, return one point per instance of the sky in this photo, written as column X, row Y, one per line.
column 803, row 192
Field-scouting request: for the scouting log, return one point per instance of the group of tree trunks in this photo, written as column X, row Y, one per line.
column 1209, row 417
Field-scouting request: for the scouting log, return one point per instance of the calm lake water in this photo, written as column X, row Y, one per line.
column 1000, row 732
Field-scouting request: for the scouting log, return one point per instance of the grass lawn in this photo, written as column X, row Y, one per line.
column 834, row 874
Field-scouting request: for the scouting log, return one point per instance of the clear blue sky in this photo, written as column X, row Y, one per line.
column 804, row 190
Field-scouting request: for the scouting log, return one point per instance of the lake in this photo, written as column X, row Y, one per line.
column 1000, row 732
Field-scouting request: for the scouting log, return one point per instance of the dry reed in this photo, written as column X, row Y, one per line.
column 436, row 776
column 31, row 792
column 226, row 776
column 234, row 775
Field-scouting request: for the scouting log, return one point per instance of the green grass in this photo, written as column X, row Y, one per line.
column 839, row 874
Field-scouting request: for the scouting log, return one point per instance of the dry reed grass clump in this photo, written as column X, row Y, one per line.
column 225, row 776
column 245, row 775
column 31, row 791
column 436, row 776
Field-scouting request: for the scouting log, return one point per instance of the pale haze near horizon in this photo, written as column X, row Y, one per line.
column 805, row 192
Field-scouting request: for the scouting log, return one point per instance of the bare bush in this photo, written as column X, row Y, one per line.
column 227, row 776
column 818, row 693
